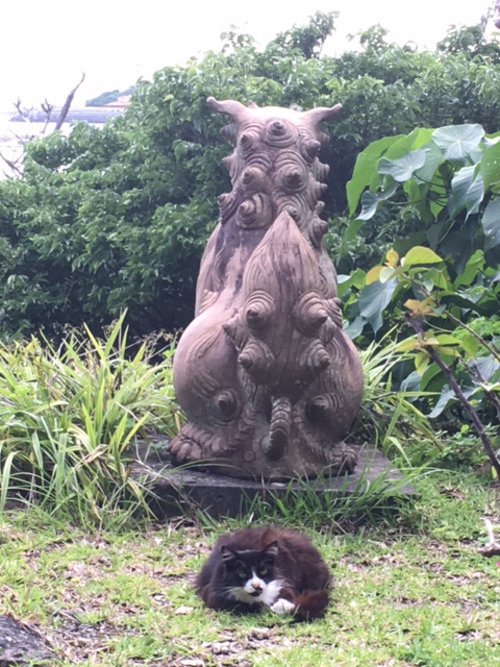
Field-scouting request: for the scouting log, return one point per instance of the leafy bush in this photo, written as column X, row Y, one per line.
column 447, row 183
column 117, row 218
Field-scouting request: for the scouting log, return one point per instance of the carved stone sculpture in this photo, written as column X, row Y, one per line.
column 269, row 381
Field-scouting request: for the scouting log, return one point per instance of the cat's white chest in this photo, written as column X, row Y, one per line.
column 271, row 593
column 268, row 596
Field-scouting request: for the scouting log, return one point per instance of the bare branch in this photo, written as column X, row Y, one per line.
column 23, row 112
column 12, row 165
column 67, row 104
column 47, row 108
column 24, row 115
column 491, row 548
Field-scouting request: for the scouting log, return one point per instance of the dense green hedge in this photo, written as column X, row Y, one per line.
column 113, row 218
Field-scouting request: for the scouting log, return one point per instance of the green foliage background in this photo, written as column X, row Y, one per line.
column 115, row 218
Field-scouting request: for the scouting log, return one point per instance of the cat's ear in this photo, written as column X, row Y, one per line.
column 227, row 554
column 271, row 550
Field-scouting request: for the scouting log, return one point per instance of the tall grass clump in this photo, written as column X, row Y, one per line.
column 389, row 416
column 68, row 416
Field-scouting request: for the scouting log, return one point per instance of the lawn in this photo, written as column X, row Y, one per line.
column 409, row 590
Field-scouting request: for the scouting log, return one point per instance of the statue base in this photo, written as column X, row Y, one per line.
column 178, row 490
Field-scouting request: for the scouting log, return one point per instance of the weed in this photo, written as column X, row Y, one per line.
column 68, row 416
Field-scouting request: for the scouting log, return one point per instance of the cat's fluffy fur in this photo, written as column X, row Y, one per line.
column 265, row 567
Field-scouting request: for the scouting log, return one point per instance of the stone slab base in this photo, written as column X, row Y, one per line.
column 21, row 644
column 180, row 489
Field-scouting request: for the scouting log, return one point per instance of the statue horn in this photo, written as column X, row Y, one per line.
column 235, row 109
column 320, row 114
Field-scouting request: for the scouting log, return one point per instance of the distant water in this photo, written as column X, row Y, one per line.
column 12, row 137
column 14, row 133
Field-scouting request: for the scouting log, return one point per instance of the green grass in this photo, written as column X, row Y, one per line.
column 411, row 593
column 68, row 416
column 107, row 587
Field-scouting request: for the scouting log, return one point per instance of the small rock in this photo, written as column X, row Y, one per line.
column 183, row 611
column 260, row 633
column 221, row 648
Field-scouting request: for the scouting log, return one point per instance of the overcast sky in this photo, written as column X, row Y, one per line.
column 45, row 46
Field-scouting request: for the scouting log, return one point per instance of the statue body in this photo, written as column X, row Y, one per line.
column 269, row 381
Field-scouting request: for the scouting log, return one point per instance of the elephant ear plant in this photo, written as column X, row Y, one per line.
column 442, row 279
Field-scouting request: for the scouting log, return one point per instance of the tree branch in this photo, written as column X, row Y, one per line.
column 491, row 348
column 67, row 104
column 473, row 369
column 417, row 324
column 12, row 165
column 47, row 108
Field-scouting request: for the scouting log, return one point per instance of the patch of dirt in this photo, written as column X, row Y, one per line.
column 232, row 651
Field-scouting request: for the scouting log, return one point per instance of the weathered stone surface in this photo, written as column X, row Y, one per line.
column 177, row 489
column 268, row 379
column 21, row 645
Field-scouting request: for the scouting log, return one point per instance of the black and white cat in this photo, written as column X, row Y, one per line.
column 265, row 567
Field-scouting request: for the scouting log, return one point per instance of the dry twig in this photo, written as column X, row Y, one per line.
column 491, row 548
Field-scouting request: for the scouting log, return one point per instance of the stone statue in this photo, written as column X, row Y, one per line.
column 269, row 381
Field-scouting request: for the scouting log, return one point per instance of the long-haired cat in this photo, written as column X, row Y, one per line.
column 265, row 567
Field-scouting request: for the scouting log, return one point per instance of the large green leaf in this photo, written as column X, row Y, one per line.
column 467, row 191
column 491, row 224
column 402, row 168
column 352, row 230
column 416, row 139
column 447, row 397
column 373, row 300
column 487, row 367
column 365, row 168
column 357, row 278
column 417, row 193
column 420, row 255
column 433, row 158
column 355, row 328
column 369, row 203
column 472, row 268
column 458, row 141
column 490, row 165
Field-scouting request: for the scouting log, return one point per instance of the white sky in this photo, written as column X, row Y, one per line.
column 45, row 46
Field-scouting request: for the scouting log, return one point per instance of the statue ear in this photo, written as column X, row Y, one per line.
column 271, row 550
column 232, row 108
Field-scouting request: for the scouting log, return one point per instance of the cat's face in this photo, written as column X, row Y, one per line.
column 250, row 574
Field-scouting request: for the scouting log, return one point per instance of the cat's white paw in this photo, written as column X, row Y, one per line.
column 282, row 606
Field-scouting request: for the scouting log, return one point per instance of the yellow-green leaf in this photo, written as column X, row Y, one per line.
column 421, row 362
column 373, row 274
column 392, row 257
column 387, row 273
column 447, row 339
column 420, row 255
column 408, row 344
